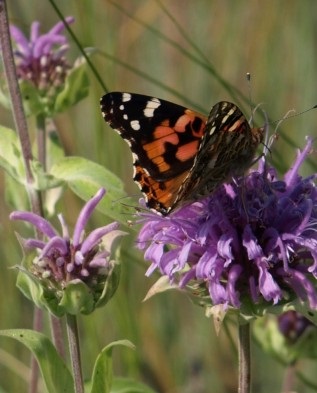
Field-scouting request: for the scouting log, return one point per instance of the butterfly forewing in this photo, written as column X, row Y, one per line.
column 164, row 138
column 179, row 154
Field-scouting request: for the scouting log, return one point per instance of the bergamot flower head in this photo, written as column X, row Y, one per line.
column 48, row 82
column 41, row 58
column 66, row 274
column 250, row 245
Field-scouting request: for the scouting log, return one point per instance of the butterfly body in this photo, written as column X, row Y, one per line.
column 180, row 155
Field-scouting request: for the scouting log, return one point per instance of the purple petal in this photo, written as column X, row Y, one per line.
column 292, row 175
column 302, row 286
column 268, row 287
column 224, row 248
column 65, row 231
column 60, row 27
column 250, row 242
column 34, row 243
column 44, row 44
column 154, row 252
column 56, row 243
column 217, row 292
column 99, row 262
column 39, row 222
column 20, row 40
column 234, row 275
column 85, row 215
column 35, row 30
column 95, row 236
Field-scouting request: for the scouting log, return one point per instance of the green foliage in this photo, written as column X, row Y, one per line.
column 56, row 375
column 85, row 177
column 102, row 377
column 275, row 343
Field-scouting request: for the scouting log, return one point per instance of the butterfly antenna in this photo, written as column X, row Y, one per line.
column 248, row 77
column 291, row 114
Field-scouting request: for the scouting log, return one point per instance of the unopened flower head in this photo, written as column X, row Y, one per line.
column 253, row 241
column 64, row 261
column 41, row 58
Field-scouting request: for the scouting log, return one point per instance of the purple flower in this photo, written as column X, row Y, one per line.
column 253, row 241
column 62, row 261
column 40, row 59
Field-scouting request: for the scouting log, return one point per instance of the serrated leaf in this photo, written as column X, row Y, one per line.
column 102, row 374
column 55, row 373
column 85, row 177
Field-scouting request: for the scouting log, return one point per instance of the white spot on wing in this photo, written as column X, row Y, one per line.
column 151, row 106
column 125, row 116
column 135, row 125
column 230, row 113
column 126, row 97
column 121, row 107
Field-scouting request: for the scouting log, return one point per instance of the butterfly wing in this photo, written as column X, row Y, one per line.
column 164, row 139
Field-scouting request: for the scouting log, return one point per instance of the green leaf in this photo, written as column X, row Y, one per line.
column 12, row 162
column 77, row 298
column 127, row 385
column 85, row 177
column 42, row 297
column 102, row 374
column 15, row 194
column 55, row 373
column 75, row 88
column 33, row 102
column 10, row 154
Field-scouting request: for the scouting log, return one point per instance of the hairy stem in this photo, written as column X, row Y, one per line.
column 244, row 359
column 22, row 130
column 74, row 350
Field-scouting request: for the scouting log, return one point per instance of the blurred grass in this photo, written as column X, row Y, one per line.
column 177, row 349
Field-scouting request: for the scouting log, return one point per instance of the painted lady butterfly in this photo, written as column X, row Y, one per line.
column 180, row 155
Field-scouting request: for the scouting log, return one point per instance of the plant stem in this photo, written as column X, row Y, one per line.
column 16, row 100
column 244, row 359
column 289, row 376
column 57, row 335
column 41, row 140
column 23, row 134
column 74, row 350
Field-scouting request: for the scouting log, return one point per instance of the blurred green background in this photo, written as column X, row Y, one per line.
column 194, row 53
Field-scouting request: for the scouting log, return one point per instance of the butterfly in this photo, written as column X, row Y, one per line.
column 180, row 155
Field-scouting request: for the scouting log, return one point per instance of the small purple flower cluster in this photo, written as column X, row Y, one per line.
column 62, row 259
column 254, row 238
column 40, row 59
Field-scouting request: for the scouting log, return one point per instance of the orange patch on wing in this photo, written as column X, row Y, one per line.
column 188, row 151
column 162, row 165
column 157, row 148
column 164, row 193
